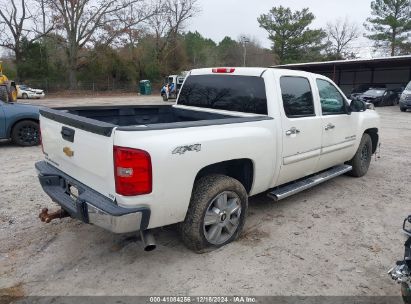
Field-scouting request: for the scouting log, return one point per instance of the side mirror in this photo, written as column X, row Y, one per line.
column 348, row 110
column 357, row 106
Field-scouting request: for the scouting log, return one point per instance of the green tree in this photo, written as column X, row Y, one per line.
column 41, row 62
column 293, row 40
column 200, row 51
column 230, row 52
column 390, row 23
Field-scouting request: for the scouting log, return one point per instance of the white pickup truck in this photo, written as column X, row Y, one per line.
column 233, row 133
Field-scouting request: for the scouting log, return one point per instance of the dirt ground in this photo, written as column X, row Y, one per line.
column 339, row 238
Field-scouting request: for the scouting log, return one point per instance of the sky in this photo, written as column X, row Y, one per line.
column 220, row 18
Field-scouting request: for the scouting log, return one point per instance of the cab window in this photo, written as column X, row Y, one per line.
column 225, row 92
column 332, row 102
column 297, row 97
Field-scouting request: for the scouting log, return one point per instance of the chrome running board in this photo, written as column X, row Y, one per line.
column 287, row 190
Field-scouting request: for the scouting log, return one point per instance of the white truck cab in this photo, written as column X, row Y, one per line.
column 233, row 133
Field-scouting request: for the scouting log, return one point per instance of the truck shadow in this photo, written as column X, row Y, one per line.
column 6, row 143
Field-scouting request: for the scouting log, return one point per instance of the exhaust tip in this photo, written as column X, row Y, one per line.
column 149, row 248
column 148, row 240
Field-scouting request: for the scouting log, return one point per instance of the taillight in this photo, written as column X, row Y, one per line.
column 132, row 171
column 223, row 70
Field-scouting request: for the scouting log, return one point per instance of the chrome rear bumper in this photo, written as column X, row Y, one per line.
column 90, row 206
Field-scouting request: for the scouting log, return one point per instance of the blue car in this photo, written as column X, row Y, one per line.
column 20, row 123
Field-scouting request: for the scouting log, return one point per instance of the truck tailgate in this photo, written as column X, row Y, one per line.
column 83, row 154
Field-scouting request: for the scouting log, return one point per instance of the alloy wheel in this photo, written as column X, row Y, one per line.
column 222, row 217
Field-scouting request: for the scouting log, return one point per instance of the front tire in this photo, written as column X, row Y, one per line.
column 26, row 133
column 216, row 214
column 165, row 98
column 362, row 158
column 25, row 96
column 403, row 109
column 4, row 95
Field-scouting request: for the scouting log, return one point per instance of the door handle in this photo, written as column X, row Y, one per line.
column 292, row 131
column 329, row 127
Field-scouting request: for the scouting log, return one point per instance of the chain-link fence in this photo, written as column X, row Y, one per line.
column 51, row 86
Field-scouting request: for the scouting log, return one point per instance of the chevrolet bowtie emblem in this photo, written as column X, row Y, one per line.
column 68, row 151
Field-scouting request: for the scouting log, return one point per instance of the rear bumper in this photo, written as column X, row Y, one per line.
column 90, row 206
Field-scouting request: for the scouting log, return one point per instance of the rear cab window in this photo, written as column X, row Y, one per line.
column 297, row 96
column 225, row 92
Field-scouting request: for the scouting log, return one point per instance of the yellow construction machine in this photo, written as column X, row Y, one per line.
column 8, row 89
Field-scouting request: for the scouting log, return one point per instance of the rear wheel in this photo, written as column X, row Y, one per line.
column 25, row 96
column 165, row 98
column 395, row 101
column 26, row 133
column 403, row 109
column 362, row 158
column 406, row 293
column 4, row 95
column 216, row 214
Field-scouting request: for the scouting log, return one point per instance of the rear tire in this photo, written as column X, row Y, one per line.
column 165, row 98
column 403, row 109
column 406, row 293
column 216, row 214
column 25, row 96
column 26, row 133
column 4, row 95
column 362, row 158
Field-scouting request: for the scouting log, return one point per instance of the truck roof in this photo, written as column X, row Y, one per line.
column 248, row 71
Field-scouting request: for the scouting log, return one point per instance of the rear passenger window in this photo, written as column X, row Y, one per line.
column 297, row 96
column 332, row 102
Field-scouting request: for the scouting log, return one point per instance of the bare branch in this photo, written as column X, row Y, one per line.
column 340, row 34
column 170, row 20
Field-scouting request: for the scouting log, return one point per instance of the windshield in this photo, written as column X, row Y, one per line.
column 375, row 92
column 225, row 92
column 408, row 88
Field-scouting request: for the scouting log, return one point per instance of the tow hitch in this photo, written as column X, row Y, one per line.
column 400, row 273
column 47, row 217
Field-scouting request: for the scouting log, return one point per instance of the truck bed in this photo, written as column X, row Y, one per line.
column 102, row 120
column 143, row 115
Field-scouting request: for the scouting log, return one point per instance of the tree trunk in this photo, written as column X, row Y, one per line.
column 72, row 54
column 392, row 48
column 393, row 38
column 18, row 60
column 72, row 78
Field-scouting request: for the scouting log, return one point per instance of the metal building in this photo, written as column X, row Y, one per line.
column 394, row 72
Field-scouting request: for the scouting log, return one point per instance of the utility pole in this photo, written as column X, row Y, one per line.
column 244, row 40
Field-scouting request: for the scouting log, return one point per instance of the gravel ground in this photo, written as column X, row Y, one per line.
column 339, row 238
column 125, row 99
